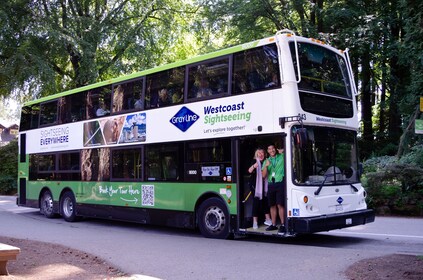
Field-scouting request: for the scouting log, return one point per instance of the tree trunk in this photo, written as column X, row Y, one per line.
column 366, row 105
column 407, row 132
column 382, row 125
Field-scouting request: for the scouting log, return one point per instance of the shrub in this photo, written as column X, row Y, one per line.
column 9, row 168
column 393, row 186
column 378, row 163
column 415, row 157
column 8, row 184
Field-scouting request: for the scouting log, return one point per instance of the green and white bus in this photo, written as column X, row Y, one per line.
column 172, row 145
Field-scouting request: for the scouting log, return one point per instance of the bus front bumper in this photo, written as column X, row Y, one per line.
column 331, row 222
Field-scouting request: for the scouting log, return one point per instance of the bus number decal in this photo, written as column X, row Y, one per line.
column 147, row 195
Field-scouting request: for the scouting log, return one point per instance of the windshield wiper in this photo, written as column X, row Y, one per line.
column 354, row 187
column 321, row 186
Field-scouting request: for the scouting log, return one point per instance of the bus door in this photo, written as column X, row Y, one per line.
column 246, row 158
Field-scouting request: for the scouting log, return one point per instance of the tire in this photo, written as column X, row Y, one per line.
column 213, row 219
column 46, row 205
column 68, row 207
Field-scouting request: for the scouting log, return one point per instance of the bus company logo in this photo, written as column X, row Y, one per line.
column 184, row 119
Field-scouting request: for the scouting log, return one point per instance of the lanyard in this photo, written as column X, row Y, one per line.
column 274, row 161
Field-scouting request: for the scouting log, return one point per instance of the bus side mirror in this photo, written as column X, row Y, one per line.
column 301, row 138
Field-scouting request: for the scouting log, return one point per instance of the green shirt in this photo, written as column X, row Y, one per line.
column 276, row 167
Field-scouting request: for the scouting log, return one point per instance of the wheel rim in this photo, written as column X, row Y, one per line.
column 67, row 207
column 214, row 219
column 47, row 204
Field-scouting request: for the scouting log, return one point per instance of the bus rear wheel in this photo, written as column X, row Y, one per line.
column 68, row 207
column 46, row 205
column 213, row 219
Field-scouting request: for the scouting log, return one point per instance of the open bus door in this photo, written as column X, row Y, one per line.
column 247, row 147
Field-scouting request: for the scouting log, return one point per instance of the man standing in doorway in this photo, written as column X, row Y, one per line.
column 274, row 170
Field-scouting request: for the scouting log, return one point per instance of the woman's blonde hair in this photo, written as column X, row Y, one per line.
column 257, row 151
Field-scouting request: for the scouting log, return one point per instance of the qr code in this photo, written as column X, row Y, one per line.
column 147, row 196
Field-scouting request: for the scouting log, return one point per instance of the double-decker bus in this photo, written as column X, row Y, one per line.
column 172, row 145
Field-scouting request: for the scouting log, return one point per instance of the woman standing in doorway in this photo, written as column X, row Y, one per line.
column 258, row 185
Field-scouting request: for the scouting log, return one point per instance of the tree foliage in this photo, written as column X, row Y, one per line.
column 386, row 45
column 51, row 45
column 395, row 186
column 48, row 46
column 9, row 168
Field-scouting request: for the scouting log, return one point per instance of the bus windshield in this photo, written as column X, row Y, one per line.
column 324, row 155
column 322, row 70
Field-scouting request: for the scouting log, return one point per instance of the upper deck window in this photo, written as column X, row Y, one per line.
column 48, row 113
column 256, row 69
column 98, row 102
column 128, row 96
column 165, row 88
column 322, row 70
column 29, row 117
column 72, row 108
column 208, row 79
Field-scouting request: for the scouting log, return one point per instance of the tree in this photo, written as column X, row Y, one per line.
column 52, row 45
column 385, row 43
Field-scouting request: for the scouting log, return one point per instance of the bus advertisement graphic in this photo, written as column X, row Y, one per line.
column 134, row 129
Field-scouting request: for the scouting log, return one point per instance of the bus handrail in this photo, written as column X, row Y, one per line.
column 291, row 33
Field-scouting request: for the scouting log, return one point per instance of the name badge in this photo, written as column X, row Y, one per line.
column 273, row 174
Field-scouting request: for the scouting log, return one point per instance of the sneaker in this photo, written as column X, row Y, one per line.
column 271, row 227
column 268, row 222
column 255, row 226
column 281, row 229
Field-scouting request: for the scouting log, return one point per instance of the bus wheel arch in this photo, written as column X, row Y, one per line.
column 213, row 218
column 46, row 203
column 68, row 206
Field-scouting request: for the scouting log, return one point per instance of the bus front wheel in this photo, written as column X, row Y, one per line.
column 46, row 205
column 213, row 219
column 68, row 207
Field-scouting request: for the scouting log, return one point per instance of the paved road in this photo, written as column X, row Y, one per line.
column 166, row 253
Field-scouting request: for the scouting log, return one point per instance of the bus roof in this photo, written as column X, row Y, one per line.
column 142, row 73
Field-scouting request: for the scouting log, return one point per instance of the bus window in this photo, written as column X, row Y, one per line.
column 207, row 160
column 329, row 156
column 68, row 167
column 162, row 163
column 48, row 113
column 98, row 102
column 72, row 108
column 128, row 96
column 42, row 167
column 29, row 117
column 126, row 164
column 69, row 162
column 208, row 79
column 165, row 88
column 322, row 70
column 256, row 69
